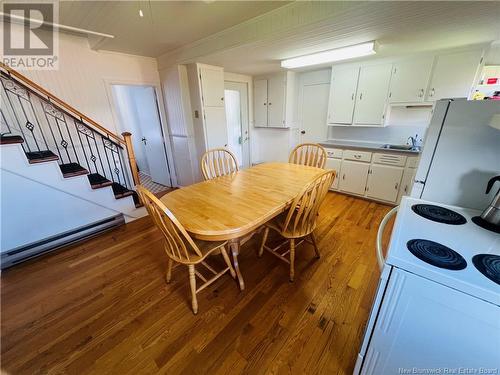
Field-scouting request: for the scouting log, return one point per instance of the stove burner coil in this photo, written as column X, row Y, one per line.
column 436, row 254
column 488, row 265
column 438, row 214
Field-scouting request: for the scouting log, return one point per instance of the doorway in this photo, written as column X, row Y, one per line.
column 237, row 120
column 138, row 113
column 314, row 112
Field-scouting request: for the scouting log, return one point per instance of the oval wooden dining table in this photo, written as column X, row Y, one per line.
column 236, row 206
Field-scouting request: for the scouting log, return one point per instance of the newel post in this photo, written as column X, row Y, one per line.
column 131, row 157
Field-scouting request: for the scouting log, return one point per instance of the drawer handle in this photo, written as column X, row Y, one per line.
column 357, row 156
column 396, row 186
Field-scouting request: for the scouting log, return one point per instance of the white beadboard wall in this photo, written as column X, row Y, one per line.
column 82, row 75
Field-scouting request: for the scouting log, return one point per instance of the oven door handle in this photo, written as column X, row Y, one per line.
column 383, row 223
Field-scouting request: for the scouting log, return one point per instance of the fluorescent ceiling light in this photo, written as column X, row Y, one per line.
column 338, row 54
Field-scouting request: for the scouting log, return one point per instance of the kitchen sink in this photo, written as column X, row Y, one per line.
column 400, row 147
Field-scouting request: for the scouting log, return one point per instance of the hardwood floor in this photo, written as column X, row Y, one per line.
column 103, row 306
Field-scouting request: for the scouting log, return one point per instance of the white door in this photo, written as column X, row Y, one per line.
column 215, row 127
column 335, row 165
column 212, row 86
column 342, row 95
column 260, row 102
column 138, row 114
column 383, row 182
column 276, row 100
column 410, row 79
column 353, row 176
column 372, row 94
column 426, row 325
column 406, row 183
column 453, row 75
column 236, row 98
column 314, row 109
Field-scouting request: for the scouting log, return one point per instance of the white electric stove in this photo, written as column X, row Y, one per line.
column 437, row 307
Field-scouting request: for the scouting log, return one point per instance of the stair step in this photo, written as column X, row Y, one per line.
column 41, row 156
column 137, row 201
column 72, row 170
column 10, row 139
column 97, row 181
column 121, row 191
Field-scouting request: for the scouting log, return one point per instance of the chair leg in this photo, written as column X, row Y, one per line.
column 192, row 283
column 313, row 240
column 228, row 261
column 264, row 239
column 292, row 259
column 169, row 270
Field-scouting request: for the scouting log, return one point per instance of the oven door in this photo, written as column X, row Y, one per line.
column 382, row 284
column 429, row 327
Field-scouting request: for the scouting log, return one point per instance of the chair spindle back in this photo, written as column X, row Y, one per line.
column 218, row 162
column 178, row 243
column 301, row 218
column 311, row 154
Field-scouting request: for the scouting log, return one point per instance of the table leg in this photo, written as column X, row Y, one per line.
column 235, row 250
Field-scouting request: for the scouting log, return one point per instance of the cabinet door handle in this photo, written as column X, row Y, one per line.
column 360, row 96
column 357, row 156
column 343, row 176
column 222, row 98
column 352, row 96
column 270, row 103
column 265, row 103
column 406, row 189
column 431, row 94
column 396, row 186
column 421, row 94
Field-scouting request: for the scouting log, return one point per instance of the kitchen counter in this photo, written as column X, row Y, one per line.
column 372, row 146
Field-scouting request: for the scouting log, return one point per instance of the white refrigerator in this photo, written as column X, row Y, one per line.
column 461, row 153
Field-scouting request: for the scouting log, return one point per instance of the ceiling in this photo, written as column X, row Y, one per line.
column 201, row 28
column 166, row 25
column 399, row 28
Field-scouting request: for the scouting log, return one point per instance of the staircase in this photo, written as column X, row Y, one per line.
column 47, row 144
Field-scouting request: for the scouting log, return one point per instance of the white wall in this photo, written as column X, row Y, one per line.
column 32, row 211
column 82, row 75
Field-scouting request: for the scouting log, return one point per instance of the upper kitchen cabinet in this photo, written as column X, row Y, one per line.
column 453, row 75
column 212, row 85
column 371, row 98
column 206, row 90
column 344, row 84
column 410, row 79
column 274, row 100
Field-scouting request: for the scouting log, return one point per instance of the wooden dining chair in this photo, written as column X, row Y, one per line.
column 183, row 249
column 300, row 220
column 218, row 162
column 311, row 154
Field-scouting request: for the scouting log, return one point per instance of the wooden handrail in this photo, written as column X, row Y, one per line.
column 62, row 103
column 131, row 158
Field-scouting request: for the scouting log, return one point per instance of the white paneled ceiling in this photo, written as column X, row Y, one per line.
column 166, row 25
column 253, row 36
column 398, row 27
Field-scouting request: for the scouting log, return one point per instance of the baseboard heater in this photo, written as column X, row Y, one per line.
column 23, row 253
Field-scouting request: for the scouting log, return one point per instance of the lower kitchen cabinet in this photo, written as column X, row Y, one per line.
column 379, row 176
column 406, row 182
column 383, row 182
column 353, row 176
column 335, row 165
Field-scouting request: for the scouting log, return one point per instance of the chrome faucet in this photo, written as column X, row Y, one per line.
column 414, row 142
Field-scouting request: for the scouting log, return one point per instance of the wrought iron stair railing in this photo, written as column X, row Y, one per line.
column 53, row 130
